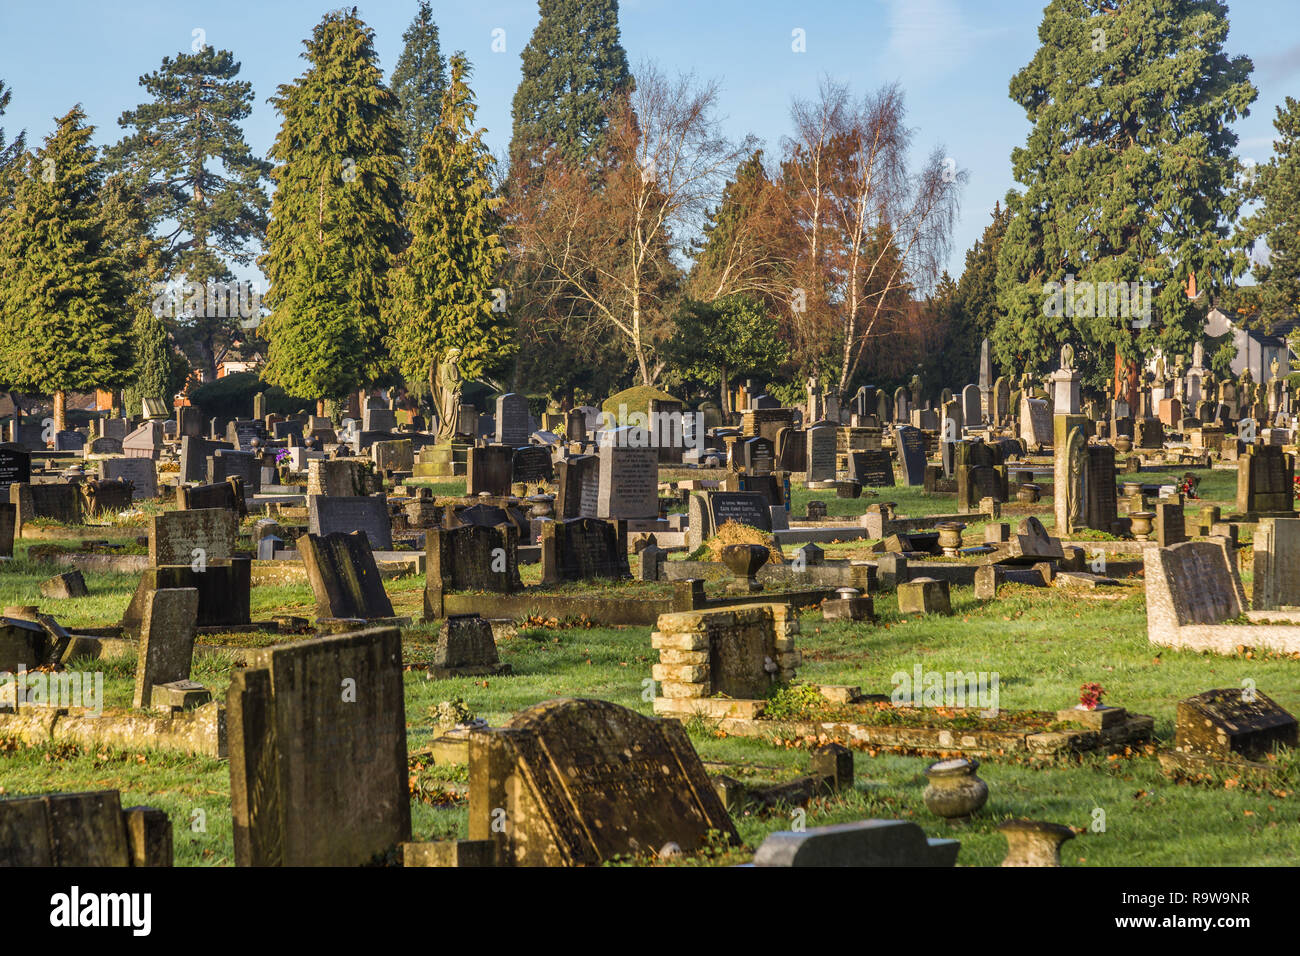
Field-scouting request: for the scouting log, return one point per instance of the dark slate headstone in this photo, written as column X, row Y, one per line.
column 224, row 463
column 469, row 558
column 243, row 432
column 747, row 508
column 228, row 495
column 328, row 514
column 69, row 441
column 872, row 468
column 287, row 429
column 512, row 420
column 582, row 548
column 531, row 464
column 223, row 586
column 64, row 829
column 317, row 739
column 574, row 782
column 194, row 457
column 766, row 485
column 489, row 469
column 343, row 575
column 758, row 456
column 911, row 453
column 15, row 465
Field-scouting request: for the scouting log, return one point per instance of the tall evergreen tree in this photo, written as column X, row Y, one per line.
column 419, row 80
column 1275, row 221
column 573, row 67
column 64, row 292
column 202, row 184
column 10, row 152
column 1128, row 173
column 443, row 292
column 335, row 217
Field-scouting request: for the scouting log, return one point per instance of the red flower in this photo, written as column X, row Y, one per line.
column 1090, row 696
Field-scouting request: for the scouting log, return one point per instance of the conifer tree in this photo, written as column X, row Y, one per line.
column 1128, row 177
column 573, row 67
column 1275, row 221
column 64, row 291
column 443, row 290
column 201, row 182
column 419, row 80
column 335, row 217
column 14, row 149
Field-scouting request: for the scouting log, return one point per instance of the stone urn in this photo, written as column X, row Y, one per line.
column 1123, row 444
column 1034, row 842
column 950, row 537
column 954, row 791
column 1132, row 489
column 1028, row 493
column 1142, row 521
column 744, row 561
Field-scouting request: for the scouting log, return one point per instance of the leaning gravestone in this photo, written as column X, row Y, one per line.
column 862, row 843
column 175, row 536
column 573, row 782
column 343, row 576
column 141, row 472
column 317, row 741
column 166, row 640
column 330, row 514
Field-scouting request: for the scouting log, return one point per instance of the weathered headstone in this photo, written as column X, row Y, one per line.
column 488, row 469
column 175, row 536
column 582, row 548
column 583, row 781
column 1277, row 564
column 629, row 482
column 1232, row 723
column 317, row 740
column 166, row 640
column 141, row 472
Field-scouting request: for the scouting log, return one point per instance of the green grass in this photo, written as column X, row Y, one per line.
column 1042, row 643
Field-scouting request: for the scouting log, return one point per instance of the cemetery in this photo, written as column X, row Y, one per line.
column 492, row 590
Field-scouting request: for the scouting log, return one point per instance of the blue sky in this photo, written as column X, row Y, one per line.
column 954, row 59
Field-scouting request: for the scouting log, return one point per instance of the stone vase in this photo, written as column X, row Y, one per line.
column 1028, row 493
column 744, row 561
column 1123, row 444
column 954, row 791
column 1142, row 524
column 1034, row 842
column 950, row 538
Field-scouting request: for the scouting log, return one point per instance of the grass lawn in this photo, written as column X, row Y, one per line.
column 1043, row 645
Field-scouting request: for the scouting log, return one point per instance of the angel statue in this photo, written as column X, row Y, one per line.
column 448, row 395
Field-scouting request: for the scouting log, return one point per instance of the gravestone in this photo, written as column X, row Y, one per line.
column 228, row 495
column 343, row 575
column 145, row 442
column 863, row 843
column 1035, row 421
column 1277, row 564
column 1001, row 410
column 531, row 464
column 971, row 406
column 103, row 446
column 742, row 507
column 758, row 456
column 69, row 441
column 15, row 466
column 872, row 468
column 59, row 501
column 1195, row 582
column 380, row 420
column 396, row 455
column 466, row 647
column 469, row 558
column 141, row 472
column 911, row 453
column 582, row 548
column 1265, row 481
column 628, row 483
column 223, row 588
column 82, row 830
column 174, row 536
column 512, row 420
column 1170, row 524
column 194, row 457
column 107, row 496
column 821, row 444
column 8, row 524
column 488, row 469
column 166, row 640
column 334, row 514
column 317, row 741
column 1232, row 723
column 225, row 463
column 577, row 481
column 584, row 781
